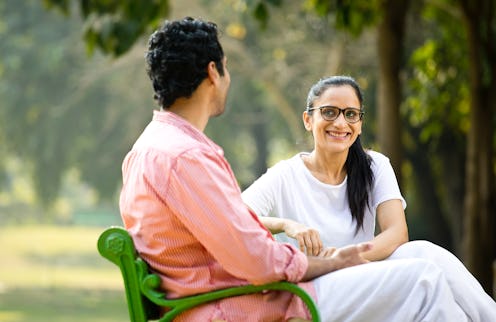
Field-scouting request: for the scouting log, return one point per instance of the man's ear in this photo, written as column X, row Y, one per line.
column 213, row 73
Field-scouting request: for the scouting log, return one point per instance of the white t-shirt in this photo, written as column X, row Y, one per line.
column 289, row 190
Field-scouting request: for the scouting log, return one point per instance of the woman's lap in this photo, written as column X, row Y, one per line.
column 400, row 290
column 467, row 291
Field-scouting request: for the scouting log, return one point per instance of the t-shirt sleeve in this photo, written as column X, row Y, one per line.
column 385, row 186
column 260, row 196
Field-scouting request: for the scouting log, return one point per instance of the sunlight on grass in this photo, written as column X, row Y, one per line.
column 55, row 257
column 11, row 316
column 56, row 274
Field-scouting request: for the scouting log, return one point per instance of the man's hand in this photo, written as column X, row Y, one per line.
column 308, row 238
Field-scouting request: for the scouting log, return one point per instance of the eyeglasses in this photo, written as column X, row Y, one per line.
column 330, row 113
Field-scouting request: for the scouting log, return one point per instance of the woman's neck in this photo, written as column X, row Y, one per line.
column 327, row 168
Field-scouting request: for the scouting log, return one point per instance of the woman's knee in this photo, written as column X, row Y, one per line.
column 416, row 249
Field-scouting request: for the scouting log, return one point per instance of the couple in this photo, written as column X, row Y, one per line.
column 183, row 207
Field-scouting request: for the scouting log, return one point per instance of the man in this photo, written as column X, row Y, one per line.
column 181, row 204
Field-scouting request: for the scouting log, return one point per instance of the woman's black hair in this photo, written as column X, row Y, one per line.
column 178, row 55
column 358, row 162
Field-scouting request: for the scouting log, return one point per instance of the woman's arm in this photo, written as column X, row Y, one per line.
column 308, row 238
column 394, row 230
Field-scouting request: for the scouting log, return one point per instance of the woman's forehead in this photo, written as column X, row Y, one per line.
column 342, row 93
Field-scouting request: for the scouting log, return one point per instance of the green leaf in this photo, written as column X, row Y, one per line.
column 276, row 3
column 61, row 5
column 261, row 13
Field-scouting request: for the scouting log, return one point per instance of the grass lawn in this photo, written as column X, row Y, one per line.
column 56, row 274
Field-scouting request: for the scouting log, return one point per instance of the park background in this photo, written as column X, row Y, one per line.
column 74, row 96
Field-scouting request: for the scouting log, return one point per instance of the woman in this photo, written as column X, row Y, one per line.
column 340, row 190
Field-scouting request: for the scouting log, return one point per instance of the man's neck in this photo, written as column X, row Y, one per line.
column 193, row 110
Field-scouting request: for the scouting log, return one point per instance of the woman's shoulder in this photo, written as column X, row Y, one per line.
column 377, row 155
column 286, row 165
column 378, row 159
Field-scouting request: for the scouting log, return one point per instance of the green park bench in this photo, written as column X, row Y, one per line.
column 143, row 294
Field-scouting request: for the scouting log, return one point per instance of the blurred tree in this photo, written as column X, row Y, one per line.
column 23, row 97
column 56, row 111
column 436, row 110
column 114, row 26
column 479, row 249
column 390, row 43
column 454, row 120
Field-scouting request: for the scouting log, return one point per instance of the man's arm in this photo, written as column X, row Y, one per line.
column 203, row 193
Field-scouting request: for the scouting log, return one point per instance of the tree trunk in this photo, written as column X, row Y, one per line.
column 452, row 177
column 389, row 47
column 436, row 227
column 478, row 242
column 259, row 132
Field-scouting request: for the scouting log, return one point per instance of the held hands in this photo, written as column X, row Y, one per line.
column 347, row 256
column 308, row 238
column 327, row 252
column 334, row 259
column 310, row 243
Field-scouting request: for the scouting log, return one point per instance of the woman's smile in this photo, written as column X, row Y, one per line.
column 338, row 135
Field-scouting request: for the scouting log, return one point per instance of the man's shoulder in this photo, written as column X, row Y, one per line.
column 166, row 139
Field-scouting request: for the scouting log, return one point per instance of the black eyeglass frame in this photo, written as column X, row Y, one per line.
column 341, row 110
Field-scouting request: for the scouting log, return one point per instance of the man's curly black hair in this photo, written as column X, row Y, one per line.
column 178, row 55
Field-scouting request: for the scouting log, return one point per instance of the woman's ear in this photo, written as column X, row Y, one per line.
column 307, row 121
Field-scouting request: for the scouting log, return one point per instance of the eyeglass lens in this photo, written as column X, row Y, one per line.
column 330, row 113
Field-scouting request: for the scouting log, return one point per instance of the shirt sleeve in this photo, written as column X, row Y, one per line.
column 385, row 185
column 203, row 194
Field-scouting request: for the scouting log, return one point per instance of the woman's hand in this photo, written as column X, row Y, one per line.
column 326, row 252
column 339, row 258
column 308, row 238
column 350, row 255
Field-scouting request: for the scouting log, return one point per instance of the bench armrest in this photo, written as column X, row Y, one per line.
column 143, row 293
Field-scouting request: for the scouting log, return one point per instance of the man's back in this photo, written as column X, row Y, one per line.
column 182, row 206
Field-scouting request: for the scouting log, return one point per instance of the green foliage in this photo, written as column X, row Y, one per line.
column 350, row 15
column 439, row 99
column 261, row 13
column 61, row 5
column 113, row 26
column 436, row 110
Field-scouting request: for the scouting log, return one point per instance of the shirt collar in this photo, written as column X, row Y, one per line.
column 181, row 123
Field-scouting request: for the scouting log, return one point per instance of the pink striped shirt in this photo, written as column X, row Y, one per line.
column 182, row 205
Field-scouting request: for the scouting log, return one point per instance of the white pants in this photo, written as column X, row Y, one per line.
column 403, row 290
column 467, row 291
